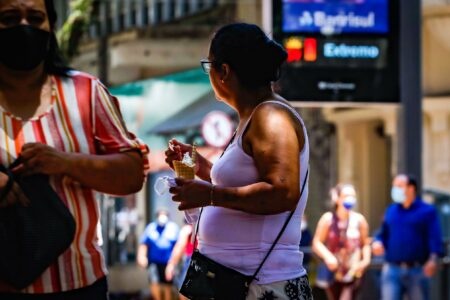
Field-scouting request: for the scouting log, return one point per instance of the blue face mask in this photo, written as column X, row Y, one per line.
column 398, row 195
column 349, row 202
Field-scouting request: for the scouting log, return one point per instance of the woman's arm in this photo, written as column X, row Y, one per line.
column 365, row 241
column 319, row 239
column 119, row 174
column 273, row 141
column 178, row 251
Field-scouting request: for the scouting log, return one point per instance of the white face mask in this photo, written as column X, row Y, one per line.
column 398, row 195
column 349, row 202
column 162, row 220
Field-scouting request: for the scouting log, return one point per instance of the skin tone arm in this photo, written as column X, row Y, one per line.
column 276, row 155
column 178, row 251
column 93, row 171
column 366, row 250
column 431, row 266
column 318, row 245
column 142, row 256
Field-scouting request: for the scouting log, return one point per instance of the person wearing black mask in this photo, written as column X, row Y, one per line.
column 64, row 124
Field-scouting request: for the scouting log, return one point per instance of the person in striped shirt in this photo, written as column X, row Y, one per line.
column 65, row 124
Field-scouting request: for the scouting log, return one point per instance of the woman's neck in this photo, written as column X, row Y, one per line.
column 22, row 80
column 245, row 101
column 342, row 213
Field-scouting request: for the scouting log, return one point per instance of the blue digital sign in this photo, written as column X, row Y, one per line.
column 335, row 16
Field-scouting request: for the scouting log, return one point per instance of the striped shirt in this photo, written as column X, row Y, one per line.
column 84, row 118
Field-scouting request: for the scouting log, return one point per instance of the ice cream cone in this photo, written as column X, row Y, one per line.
column 186, row 167
column 183, row 170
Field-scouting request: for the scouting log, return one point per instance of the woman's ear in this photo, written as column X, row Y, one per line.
column 225, row 72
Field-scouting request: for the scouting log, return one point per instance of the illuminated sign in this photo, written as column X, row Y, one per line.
column 335, row 16
column 310, row 49
column 333, row 52
column 338, row 50
column 342, row 50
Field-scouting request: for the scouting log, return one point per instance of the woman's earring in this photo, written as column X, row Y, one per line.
column 223, row 81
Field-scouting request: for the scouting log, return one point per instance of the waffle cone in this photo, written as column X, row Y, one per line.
column 183, row 171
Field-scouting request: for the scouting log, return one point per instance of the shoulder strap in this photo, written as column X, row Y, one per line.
column 291, row 109
column 277, row 238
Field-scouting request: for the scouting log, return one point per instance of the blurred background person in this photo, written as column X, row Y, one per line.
column 411, row 240
column 341, row 240
column 305, row 242
column 127, row 221
column 156, row 245
column 179, row 259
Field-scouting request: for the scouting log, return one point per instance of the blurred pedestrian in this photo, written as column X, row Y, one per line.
column 126, row 222
column 342, row 242
column 305, row 242
column 157, row 243
column 411, row 241
column 64, row 124
column 179, row 259
column 248, row 194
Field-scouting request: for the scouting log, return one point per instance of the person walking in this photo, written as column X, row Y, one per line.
column 61, row 123
column 306, row 242
column 411, row 241
column 250, row 192
column 154, row 251
column 179, row 259
column 342, row 241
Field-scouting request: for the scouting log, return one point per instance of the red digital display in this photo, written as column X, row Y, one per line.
column 294, row 48
column 310, row 49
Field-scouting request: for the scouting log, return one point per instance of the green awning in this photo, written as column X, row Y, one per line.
column 147, row 103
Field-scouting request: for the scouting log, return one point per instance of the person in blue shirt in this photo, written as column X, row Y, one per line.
column 411, row 241
column 154, row 251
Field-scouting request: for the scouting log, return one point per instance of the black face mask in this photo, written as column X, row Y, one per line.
column 23, row 47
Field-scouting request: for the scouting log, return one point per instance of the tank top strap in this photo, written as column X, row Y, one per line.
column 291, row 109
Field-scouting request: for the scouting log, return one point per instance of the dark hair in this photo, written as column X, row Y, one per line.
column 254, row 57
column 412, row 181
column 54, row 62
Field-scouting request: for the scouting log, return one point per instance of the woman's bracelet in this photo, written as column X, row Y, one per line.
column 211, row 195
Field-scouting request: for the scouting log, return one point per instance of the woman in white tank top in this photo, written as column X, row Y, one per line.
column 250, row 191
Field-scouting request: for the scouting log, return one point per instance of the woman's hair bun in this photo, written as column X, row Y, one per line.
column 254, row 57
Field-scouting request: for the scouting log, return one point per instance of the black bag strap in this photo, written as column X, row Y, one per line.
column 277, row 238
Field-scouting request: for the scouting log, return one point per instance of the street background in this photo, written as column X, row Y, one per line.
column 147, row 52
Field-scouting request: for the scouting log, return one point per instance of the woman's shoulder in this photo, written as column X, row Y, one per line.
column 326, row 218
column 359, row 217
column 78, row 75
column 275, row 104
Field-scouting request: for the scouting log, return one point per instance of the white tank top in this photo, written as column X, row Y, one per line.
column 241, row 240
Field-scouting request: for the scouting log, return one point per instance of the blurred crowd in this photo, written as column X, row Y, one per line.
column 337, row 255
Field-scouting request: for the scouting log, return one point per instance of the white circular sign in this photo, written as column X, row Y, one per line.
column 217, row 129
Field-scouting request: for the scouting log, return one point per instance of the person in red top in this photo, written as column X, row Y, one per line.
column 341, row 241
column 181, row 253
column 64, row 124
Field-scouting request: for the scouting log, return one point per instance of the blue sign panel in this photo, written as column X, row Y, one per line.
column 335, row 16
